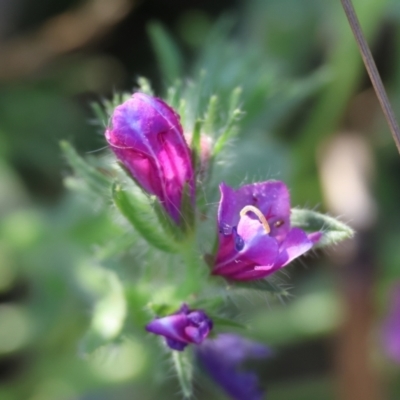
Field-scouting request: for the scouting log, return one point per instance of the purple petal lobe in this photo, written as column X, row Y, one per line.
column 295, row 244
column 182, row 328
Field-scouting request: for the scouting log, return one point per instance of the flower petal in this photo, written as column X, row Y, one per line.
column 171, row 326
column 261, row 250
column 294, row 245
column 270, row 197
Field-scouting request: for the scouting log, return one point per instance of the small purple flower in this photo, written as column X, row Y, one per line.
column 391, row 327
column 182, row 328
column 146, row 136
column 222, row 359
column 255, row 236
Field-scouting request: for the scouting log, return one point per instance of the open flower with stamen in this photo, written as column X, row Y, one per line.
column 146, row 136
column 182, row 328
column 222, row 359
column 255, row 236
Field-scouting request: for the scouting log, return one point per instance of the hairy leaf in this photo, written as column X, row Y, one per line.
column 334, row 231
column 95, row 180
column 184, row 368
column 141, row 215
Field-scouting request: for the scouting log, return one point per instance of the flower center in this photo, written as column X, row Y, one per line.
column 259, row 214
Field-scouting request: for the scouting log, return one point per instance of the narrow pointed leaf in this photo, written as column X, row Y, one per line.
column 229, row 131
column 264, row 285
column 226, row 322
column 184, row 370
column 95, row 180
column 145, row 86
column 211, row 115
column 334, row 231
column 167, row 53
column 141, row 216
column 188, row 212
column 195, row 144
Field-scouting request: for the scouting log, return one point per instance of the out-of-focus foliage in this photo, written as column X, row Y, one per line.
column 72, row 296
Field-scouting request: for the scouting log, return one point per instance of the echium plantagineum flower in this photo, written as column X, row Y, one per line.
column 182, row 328
column 146, row 136
column 222, row 359
column 255, row 236
column 391, row 327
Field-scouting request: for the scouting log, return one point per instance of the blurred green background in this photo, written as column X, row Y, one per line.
column 311, row 119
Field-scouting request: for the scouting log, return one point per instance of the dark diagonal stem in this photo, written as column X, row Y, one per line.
column 372, row 70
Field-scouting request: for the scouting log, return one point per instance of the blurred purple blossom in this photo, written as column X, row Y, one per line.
column 182, row 328
column 255, row 236
column 391, row 327
column 222, row 359
column 146, row 136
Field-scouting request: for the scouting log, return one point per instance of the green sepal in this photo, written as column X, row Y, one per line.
column 211, row 114
column 183, row 364
column 145, row 86
column 96, row 181
column 228, row 132
column 142, row 217
column 230, row 129
column 188, row 215
column 333, row 231
column 196, row 145
column 168, row 224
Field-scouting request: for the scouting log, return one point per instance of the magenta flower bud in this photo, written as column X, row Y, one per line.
column 146, row 136
column 255, row 236
column 182, row 328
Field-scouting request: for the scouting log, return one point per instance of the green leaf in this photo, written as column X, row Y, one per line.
column 334, row 231
column 226, row 322
column 100, row 114
column 264, row 285
column 184, row 369
column 163, row 309
column 95, row 180
column 230, row 128
column 141, row 215
column 167, row 53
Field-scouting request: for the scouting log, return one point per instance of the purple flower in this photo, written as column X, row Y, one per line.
column 146, row 136
column 222, row 358
column 255, row 236
column 182, row 328
column 391, row 327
